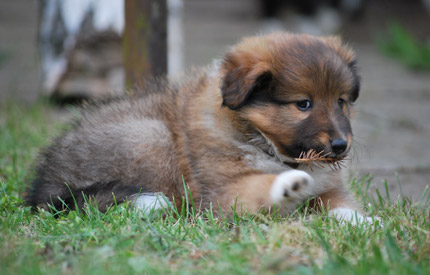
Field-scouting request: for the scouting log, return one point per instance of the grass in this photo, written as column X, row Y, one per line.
column 4, row 57
column 124, row 241
column 398, row 43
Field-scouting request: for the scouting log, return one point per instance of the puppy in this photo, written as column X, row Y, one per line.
column 231, row 132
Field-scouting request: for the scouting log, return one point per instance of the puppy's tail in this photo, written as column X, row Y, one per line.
column 46, row 195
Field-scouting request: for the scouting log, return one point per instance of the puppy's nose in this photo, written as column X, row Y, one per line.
column 338, row 146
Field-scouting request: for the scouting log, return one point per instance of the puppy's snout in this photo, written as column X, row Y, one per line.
column 339, row 146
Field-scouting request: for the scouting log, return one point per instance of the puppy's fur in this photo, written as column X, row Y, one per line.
column 231, row 132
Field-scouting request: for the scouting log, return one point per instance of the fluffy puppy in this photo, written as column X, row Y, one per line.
column 231, row 132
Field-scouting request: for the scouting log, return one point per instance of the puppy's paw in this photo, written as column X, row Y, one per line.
column 346, row 215
column 291, row 187
column 147, row 202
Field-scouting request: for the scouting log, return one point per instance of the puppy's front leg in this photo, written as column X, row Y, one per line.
column 253, row 192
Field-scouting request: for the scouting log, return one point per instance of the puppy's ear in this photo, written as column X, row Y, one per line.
column 344, row 51
column 246, row 68
column 239, row 83
column 348, row 55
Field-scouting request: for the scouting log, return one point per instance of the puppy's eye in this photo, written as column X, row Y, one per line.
column 304, row 105
column 341, row 102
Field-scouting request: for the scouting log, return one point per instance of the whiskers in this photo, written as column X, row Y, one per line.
column 358, row 151
column 320, row 159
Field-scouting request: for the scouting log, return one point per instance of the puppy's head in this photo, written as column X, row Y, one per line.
column 296, row 90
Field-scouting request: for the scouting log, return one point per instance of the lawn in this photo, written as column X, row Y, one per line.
column 124, row 241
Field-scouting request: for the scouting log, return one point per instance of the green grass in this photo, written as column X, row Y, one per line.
column 4, row 57
column 124, row 241
column 401, row 45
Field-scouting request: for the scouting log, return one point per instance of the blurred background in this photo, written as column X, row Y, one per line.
column 69, row 50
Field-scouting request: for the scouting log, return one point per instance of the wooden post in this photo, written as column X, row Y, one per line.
column 145, row 40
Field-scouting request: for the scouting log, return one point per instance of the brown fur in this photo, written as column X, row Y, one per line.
column 228, row 133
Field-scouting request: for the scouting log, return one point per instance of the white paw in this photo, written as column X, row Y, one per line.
column 148, row 202
column 291, row 188
column 346, row 215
